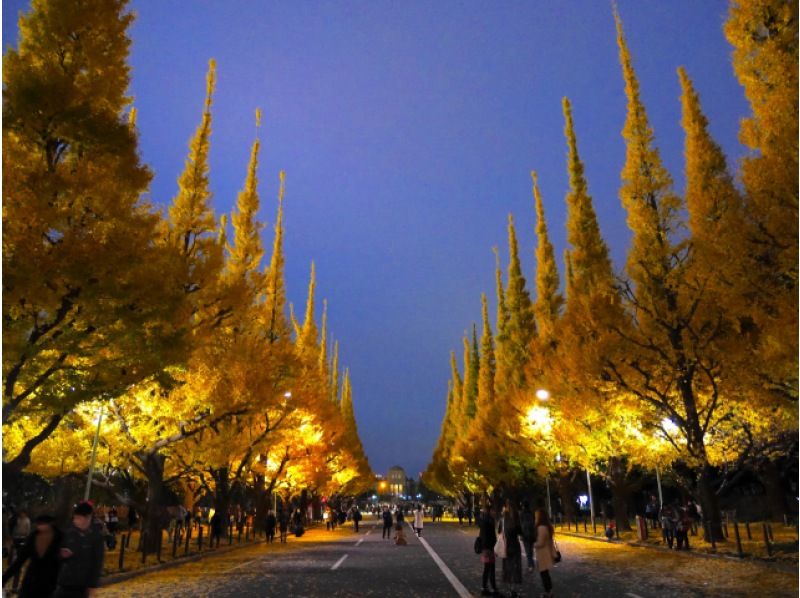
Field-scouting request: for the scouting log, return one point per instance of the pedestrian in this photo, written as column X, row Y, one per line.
column 20, row 530
column 528, row 532
column 387, row 523
column 667, row 518
column 545, row 550
column 488, row 538
column 283, row 525
column 469, row 516
column 512, row 563
column 682, row 525
column 112, row 520
column 215, row 525
column 356, row 518
column 269, row 526
column 419, row 515
column 399, row 515
column 41, row 549
column 82, row 552
column 399, row 535
column 651, row 511
column 460, row 514
column 326, row 517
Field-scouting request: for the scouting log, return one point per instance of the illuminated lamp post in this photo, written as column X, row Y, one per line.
column 94, row 455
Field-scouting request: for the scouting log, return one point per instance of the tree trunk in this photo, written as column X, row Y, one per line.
column 770, row 477
column 712, row 517
column 153, row 465
column 618, row 480
column 262, row 503
column 222, row 494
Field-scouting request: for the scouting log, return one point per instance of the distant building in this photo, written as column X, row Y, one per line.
column 397, row 481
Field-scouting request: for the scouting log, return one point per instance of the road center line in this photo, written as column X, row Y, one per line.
column 359, row 542
column 633, row 595
column 337, row 563
column 457, row 585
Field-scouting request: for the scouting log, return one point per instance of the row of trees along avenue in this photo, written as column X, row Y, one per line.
column 684, row 360
column 161, row 324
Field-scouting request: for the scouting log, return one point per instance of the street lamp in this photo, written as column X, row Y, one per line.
column 94, row 455
column 543, row 394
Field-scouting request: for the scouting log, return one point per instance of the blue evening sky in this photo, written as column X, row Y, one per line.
column 407, row 131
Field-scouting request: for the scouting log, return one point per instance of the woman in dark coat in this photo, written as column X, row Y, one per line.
column 512, row 564
column 41, row 549
column 488, row 540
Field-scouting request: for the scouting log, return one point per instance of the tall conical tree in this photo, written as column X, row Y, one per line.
column 672, row 336
column 458, row 384
column 323, row 343
column 548, row 300
column 502, row 311
column 764, row 35
column 352, row 441
column 471, row 381
column 589, row 257
column 275, row 301
column 191, row 217
column 335, row 373
column 712, row 201
column 486, row 370
column 569, row 282
column 646, row 194
column 307, row 338
column 519, row 330
column 246, row 251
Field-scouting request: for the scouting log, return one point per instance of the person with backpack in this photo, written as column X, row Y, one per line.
column 528, row 532
column 487, row 539
column 387, row 523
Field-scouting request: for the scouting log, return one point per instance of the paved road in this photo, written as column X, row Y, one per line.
column 343, row 563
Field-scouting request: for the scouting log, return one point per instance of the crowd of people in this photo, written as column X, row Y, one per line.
column 60, row 564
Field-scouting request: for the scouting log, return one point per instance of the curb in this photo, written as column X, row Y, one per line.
column 113, row 578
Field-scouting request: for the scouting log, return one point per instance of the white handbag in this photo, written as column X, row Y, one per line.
column 500, row 545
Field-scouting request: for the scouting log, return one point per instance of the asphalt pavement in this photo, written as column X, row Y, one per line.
column 347, row 564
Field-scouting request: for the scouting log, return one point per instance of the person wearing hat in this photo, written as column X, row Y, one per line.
column 82, row 553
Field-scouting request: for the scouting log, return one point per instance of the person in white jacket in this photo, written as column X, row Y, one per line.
column 418, row 517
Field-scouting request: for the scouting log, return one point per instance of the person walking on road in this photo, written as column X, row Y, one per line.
column 41, row 550
column 512, row 563
column 528, row 527
column 419, row 515
column 488, row 538
column 283, row 525
column 82, row 552
column 387, row 523
column 270, row 525
column 545, row 550
column 356, row 518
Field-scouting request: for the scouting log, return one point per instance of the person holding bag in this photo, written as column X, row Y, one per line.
column 512, row 561
column 487, row 541
column 545, row 549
